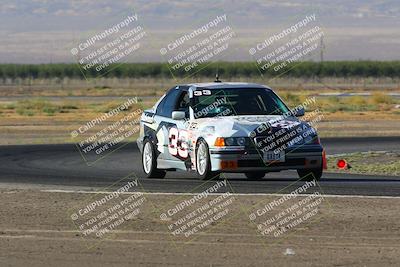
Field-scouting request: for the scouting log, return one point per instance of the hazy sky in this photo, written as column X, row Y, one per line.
column 42, row 31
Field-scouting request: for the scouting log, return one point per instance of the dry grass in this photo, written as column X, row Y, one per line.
column 42, row 128
column 38, row 119
column 157, row 86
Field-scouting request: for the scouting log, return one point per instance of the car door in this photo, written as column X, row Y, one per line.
column 172, row 134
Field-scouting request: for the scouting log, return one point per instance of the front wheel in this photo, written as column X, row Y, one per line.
column 203, row 163
column 149, row 161
column 310, row 174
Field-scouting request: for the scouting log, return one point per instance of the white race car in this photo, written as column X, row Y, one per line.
column 212, row 128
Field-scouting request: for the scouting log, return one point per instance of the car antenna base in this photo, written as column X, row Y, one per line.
column 217, row 80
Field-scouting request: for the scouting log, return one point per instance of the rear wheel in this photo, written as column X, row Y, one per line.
column 203, row 163
column 310, row 174
column 149, row 161
column 254, row 175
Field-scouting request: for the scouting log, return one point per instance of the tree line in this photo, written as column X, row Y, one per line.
column 225, row 69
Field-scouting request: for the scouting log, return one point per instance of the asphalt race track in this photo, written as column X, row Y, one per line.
column 61, row 167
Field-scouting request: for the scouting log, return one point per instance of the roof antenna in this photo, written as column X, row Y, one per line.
column 217, row 77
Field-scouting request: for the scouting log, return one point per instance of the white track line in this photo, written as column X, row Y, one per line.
column 216, row 194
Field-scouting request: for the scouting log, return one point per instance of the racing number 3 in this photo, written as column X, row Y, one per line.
column 178, row 142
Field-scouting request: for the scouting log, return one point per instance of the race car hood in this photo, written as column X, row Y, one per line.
column 242, row 126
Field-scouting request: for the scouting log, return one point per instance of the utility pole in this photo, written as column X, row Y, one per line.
column 322, row 47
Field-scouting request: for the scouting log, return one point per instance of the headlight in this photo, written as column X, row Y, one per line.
column 241, row 141
column 312, row 139
column 308, row 139
column 232, row 141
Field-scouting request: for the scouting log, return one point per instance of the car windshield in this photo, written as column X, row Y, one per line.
column 237, row 101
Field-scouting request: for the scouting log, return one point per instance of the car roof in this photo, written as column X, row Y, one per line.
column 222, row 85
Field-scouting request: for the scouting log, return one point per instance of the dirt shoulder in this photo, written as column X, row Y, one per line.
column 36, row 228
column 373, row 163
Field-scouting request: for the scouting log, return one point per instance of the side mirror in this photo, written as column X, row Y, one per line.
column 299, row 112
column 178, row 115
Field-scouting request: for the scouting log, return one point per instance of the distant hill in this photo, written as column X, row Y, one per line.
column 44, row 31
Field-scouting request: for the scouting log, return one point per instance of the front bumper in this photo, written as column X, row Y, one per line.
column 241, row 160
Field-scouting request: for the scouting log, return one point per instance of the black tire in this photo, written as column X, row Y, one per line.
column 254, row 175
column 310, row 174
column 151, row 171
column 205, row 174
